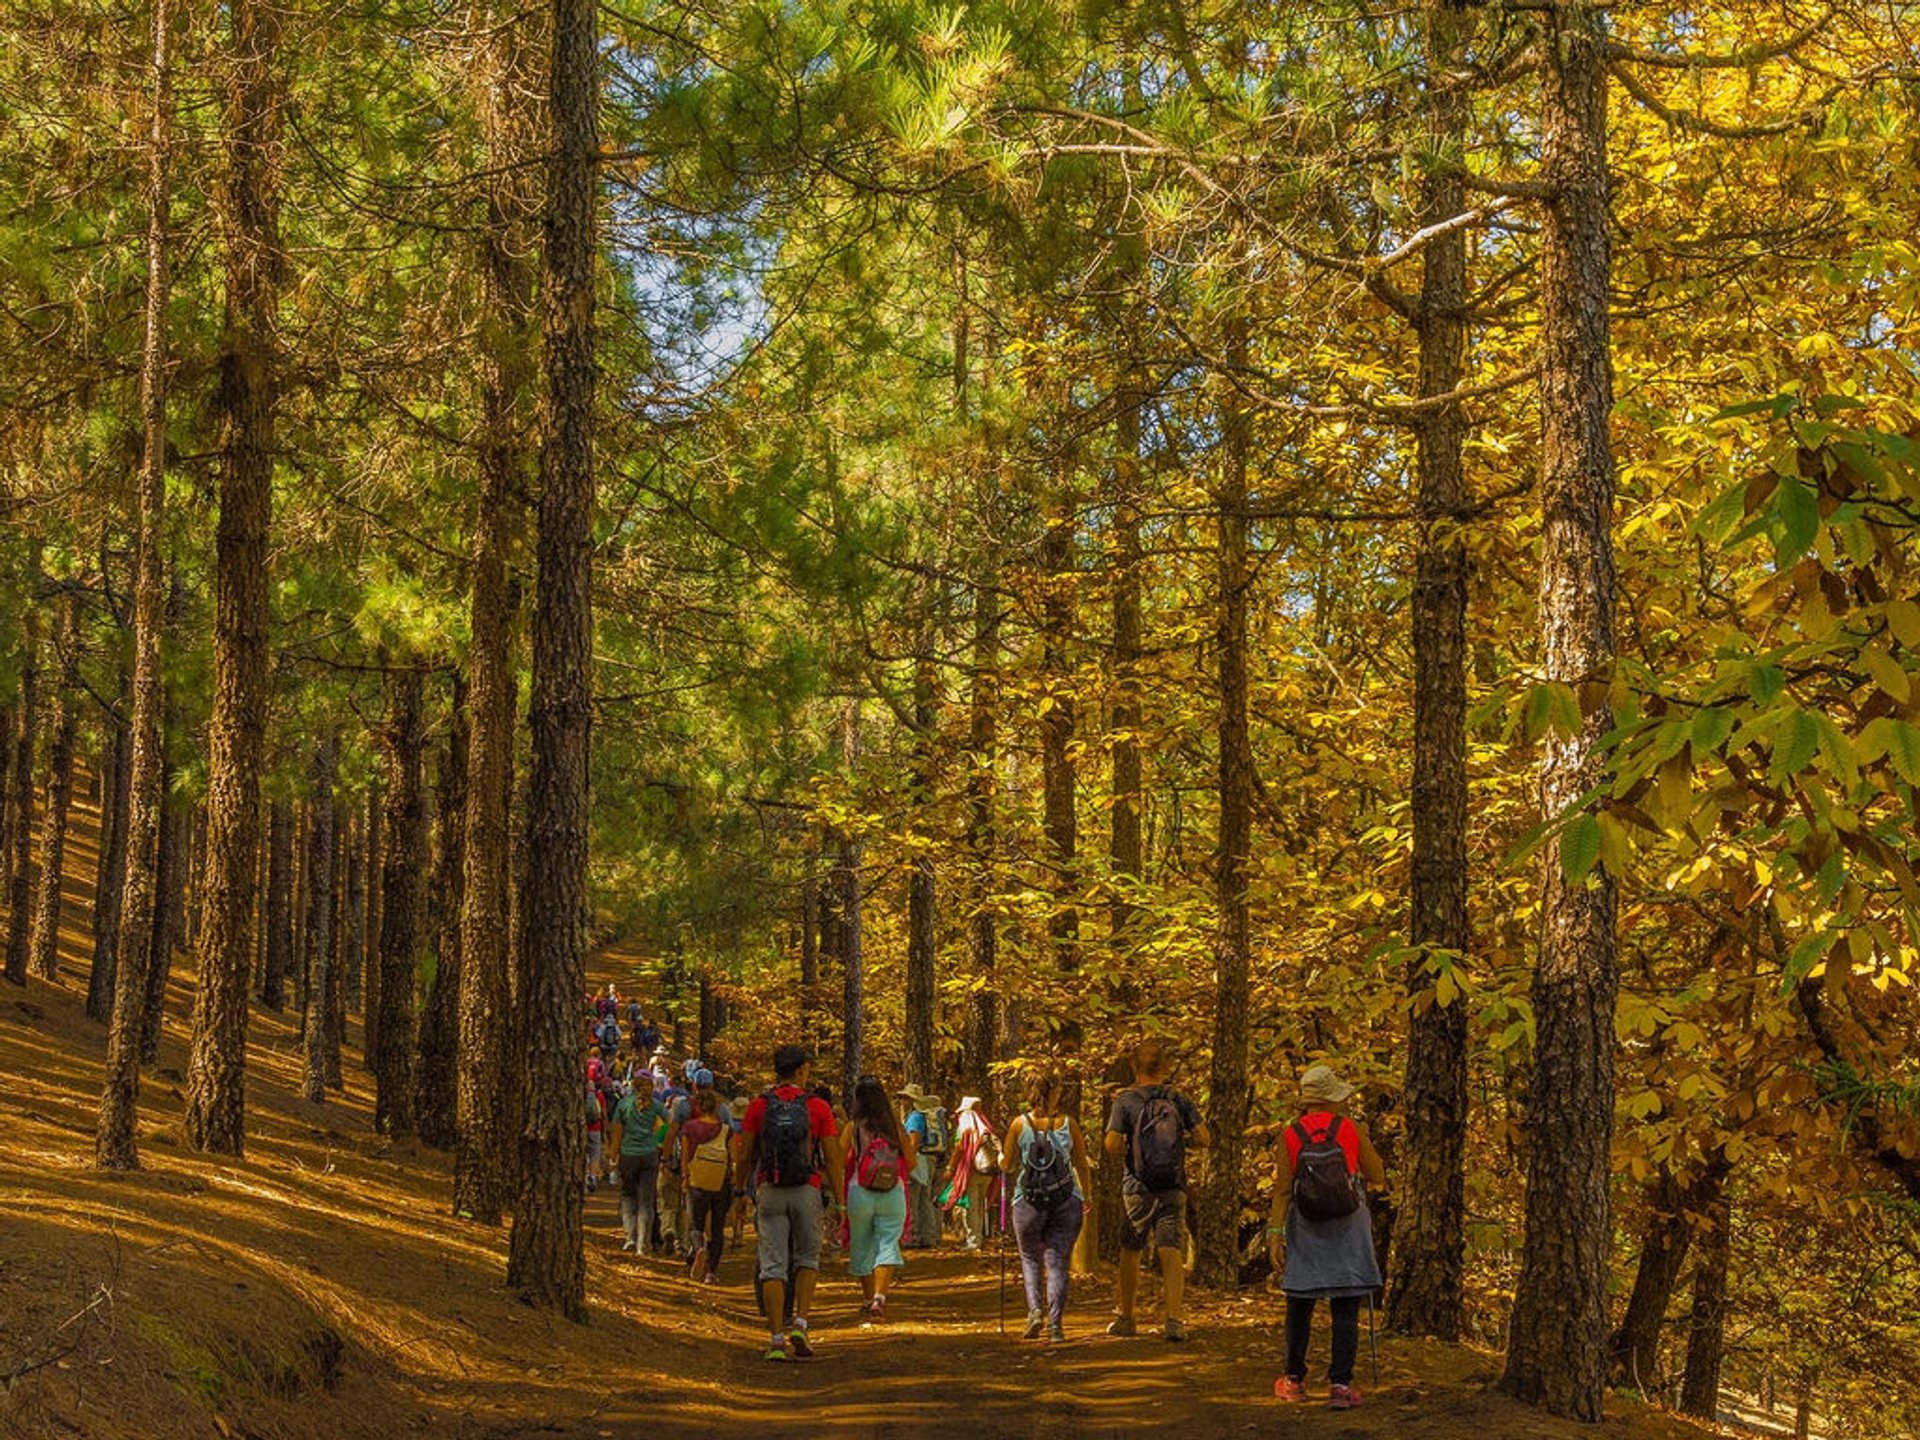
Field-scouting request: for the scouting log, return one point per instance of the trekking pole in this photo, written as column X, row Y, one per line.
column 1373, row 1341
column 1003, row 1254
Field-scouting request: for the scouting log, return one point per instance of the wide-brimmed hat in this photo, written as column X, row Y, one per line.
column 1323, row 1085
column 920, row 1098
column 969, row 1102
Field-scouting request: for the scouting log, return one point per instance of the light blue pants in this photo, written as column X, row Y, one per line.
column 875, row 1220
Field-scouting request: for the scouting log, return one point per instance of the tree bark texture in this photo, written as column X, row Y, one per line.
column 165, row 931
column 370, row 934
column 144, row 944
column 236, row 733
column 1058, row 716
column 983, row 760
column 1425, row 1296
column 436, row 1083
column 851, row 935
column 403, row 901
column 1217, row 1221
column 322, row 1041
column 279, row 915
column 336, row 969
column 1557, row 1353
column 809, row 952
column 353, row 919
column 43, row 952
column 20, row 897
column 1707, row 1329
column 110, row 873
column 509, row 61
column 1674, row 1210
column 922, row 895
column 546, row 1262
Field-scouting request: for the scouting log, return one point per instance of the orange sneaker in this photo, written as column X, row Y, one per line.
column 1343, row 1397
column 1288, row 1388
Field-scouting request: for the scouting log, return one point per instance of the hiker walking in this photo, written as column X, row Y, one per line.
column 879, row 1156
column 639, row 1127
column 706, row 1160
column 1052, row 1192
column 976, row 1164
column 932, row 1135
column 1320, row 1234
column 787, row 1137
column 1151, row 1127
column 596, row 1126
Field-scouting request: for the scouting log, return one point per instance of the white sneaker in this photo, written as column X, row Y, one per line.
column 630, row 1245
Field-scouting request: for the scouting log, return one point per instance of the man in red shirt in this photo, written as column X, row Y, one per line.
column 787, row 1137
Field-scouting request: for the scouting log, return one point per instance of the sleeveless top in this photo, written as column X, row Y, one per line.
column 1062, row 1138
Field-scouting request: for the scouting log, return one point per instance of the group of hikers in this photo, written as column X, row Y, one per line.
column 880, row 1178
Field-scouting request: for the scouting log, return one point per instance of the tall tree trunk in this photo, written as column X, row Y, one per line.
column 134, row 1034
column 196, row 877
column 20, row 898
column 1707, row 1330
column 279, row 915
column 853, row 965
column 545, row 1260
column 353, row 918
column 809, row 953
column 1673, row 1212
column 983, row 926
column 1217, row 1223
column 436, row 1084
column 1557, row 1355
column 322, row 1043
column 402, row 903
column 342, row 929
column 374, row 866
column 236, row 733
column 43, row 954
column 110, row 873
column 1425, row 1297
column 164, row 932
column 921, row 893
column 9, row 720
column 483, row 1160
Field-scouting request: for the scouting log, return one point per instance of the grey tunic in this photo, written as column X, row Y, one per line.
column 1330, row 1259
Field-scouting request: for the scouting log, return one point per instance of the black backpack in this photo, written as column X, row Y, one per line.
column 1046, row 1174
column 786, row 1141
column 1323, row 1187
column 1159, row 1136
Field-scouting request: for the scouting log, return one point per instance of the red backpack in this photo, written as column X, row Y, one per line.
column 879, row 1165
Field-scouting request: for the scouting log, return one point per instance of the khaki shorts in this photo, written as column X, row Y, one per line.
column 788, row 1216
column 1156, row 1215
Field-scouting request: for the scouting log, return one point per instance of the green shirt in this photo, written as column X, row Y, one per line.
column 641, row 1130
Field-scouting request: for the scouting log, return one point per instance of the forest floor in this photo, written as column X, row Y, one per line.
column 319, row 1288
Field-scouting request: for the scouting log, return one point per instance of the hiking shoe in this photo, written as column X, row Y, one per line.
column 798, row 1345
column 1175, row 1331
column 631, row 1246
column 1122, row 1325
column 712, row 1277
column 1036, row 1322
column 777, row 1349
column 1056, row 1334
column 1343, row 1397
column 1289, row 1389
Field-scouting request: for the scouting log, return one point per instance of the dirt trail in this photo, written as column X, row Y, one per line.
column 320, row 1289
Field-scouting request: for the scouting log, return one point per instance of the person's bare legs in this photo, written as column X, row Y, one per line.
column 881, row 1278
column 803, row 1292
column 774, row 1292
column 867, row 1286
column 1129, row 1283
column 1173, row 1279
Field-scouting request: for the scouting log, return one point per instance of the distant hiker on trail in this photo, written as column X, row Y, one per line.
column 879, row 1156
column 787, row 1136
column 639, row 1127
column 596, row 1122
column 609, row 1037
column 608, row 1004
column 1320, row 1234
column 975, row 1167
column 706, row 1162
column 680, row 1110
column 932, row 1134
column 1151, row 1127
column 670, row 1214
column 1051, row 1196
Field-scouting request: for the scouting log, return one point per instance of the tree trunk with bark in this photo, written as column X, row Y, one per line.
column 110, row 873
column 403, row 901
column 1673, row 1212
column 322, row 1041
column 983, row 926
column 144, row 942
column 436, row 1085
column 279, row 914
column 164, row 932
column 1217, row 1221
column 43, row 951
column 851, row 934
column 20, row 897
column 809, row 952
column 546, row 1262
column 236, row 733
column 353, row 917
column 370, row 933
column 921, row 892
column 1557, row 1353
column 1425, row 1296
column 509, row 53
column 1707, row 1329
